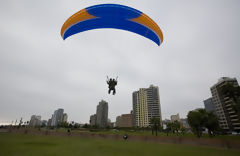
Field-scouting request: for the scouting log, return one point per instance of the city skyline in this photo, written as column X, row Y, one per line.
column 40, row 72
column 147, row 95
column 206, row 105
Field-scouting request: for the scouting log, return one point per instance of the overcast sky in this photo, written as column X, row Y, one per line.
column 41, row 73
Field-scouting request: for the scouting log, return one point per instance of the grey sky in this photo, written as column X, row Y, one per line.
column 40, row 72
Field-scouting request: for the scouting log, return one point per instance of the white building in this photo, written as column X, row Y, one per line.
column 35, row 121
column 146, row 105
column 65, row 117
column 175, row 118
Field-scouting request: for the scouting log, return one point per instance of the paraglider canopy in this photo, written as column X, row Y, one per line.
column 112, row 16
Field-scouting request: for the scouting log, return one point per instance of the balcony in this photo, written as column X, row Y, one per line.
column 228, row 105
column 232, row 112
column 234, row 120
column 236, row 124
column 232, row 116
column 229, row 109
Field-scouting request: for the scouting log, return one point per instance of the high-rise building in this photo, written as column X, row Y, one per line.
column 35, row 121
column 140, row 109
column 153, row 101
column 102, row 114
column 209, row 105
column 175, row 117
column 65, row 117
column 228, row 118
column 146, row 105
column 57, row 117
column 93, row 119
column 125, row 120
column 118, row 121
column 49, row 122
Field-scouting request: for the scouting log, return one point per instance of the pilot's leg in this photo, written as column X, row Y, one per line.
column 114, row 91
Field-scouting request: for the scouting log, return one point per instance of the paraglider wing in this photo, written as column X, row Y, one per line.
column 112, row 16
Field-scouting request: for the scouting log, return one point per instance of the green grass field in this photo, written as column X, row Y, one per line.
column 29, row 145
column 149, row 133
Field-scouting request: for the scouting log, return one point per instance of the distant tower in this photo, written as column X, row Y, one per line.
column 102, row 114
column 57, row 117
column 175, row 118
column 140, row 108
column 65, row 117
column 93, row 120
column 35, row 121
column 146, row 105
column 228, row 118
column 209, row 105
column 153, row 102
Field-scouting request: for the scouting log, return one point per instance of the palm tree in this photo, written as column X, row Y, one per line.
column 169, row 128
column 182, row 129
column 176, row 126
column 155, row 124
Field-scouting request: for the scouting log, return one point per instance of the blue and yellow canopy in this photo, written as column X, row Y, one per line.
column 112, row 16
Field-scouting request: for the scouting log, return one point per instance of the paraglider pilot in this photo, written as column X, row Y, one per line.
column 111, row 85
